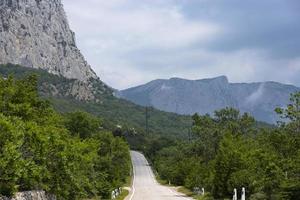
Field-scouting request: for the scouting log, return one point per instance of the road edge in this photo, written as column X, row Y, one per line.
column 132, row 188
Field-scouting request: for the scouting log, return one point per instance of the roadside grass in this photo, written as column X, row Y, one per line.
column 189, row 193
column 186, row 191
column 180, row 189
column 129, row 179
column 128, row 184
column 123, row 195
column 161, row 181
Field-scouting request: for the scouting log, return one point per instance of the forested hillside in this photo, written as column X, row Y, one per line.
column 228, row 151
column 70, row 155
column 114, row 111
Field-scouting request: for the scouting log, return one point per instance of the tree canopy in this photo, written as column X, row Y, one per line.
column 69, row 156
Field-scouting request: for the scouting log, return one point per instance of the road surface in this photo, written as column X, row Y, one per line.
column 145, row 187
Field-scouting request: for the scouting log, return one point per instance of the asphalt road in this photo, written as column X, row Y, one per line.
column 145, row 187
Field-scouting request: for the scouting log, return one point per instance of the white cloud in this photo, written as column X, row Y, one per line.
column 107, row 31
column 256, row 95
column 130, row 42
column 139, row 26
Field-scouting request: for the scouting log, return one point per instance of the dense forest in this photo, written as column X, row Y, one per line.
column 69, row 155
column 228, row 151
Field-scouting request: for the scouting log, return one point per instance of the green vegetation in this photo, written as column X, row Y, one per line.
column 190, row 193
column 112, row 110
column 229, row 151
column 70, row 156
column 68, row 152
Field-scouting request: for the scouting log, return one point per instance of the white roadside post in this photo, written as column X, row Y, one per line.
column 234, row 194
column 243, row 194
column 203, row 192
column 113, row 196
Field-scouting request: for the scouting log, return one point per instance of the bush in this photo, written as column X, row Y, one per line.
column 39, row 152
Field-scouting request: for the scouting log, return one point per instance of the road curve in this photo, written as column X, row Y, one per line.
column 145, row 187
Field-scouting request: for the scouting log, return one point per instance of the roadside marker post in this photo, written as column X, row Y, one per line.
column 113, row 196
column 234, row 194
column 243, row 194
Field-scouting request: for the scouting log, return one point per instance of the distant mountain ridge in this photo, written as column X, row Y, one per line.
column 207, row 95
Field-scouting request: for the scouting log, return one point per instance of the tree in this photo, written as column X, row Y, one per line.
column 40, row 152
column 292, row 112
column 227, row 115
column 227, row 162
column 11, row 162
column 82, row 124
column 20, row 98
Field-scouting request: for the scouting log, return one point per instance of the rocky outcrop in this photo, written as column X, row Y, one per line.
column 31, row 195
column 207, row 95
column 35, row 33
column 78, row 90
column 51, row 85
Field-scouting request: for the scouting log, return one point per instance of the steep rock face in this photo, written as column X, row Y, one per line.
column 207, row 95
column 77, row 89
column 30, row 195
column 35, row 33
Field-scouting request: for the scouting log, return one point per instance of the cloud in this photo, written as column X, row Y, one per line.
column 108, row 25
column 165, row 87
column 256, row 95
column 130, row 42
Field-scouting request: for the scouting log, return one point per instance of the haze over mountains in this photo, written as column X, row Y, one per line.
column 36, row 34
column 207, row 95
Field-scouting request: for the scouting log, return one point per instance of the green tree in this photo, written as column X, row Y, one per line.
column 227, row 162
column 292, row 112
column 82, row 124
column 11, row 162
column 41, row 151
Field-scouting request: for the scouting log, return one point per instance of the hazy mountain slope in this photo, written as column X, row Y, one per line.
column 207, row 95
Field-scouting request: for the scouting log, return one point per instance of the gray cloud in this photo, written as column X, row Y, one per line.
column 130, row 42
column 268, row 24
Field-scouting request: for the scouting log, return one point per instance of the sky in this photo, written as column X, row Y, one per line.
column 131, row 42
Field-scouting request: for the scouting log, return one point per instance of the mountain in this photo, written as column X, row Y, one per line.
column 207, row 95
column 114, row 111
column 35, row 38
column 36, row 33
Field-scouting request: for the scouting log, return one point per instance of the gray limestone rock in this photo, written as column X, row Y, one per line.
column 35, row 33
column 31, row 195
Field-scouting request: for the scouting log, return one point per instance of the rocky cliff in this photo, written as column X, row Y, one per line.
column 30, row 195
column 207, row 95
column 35, row 33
